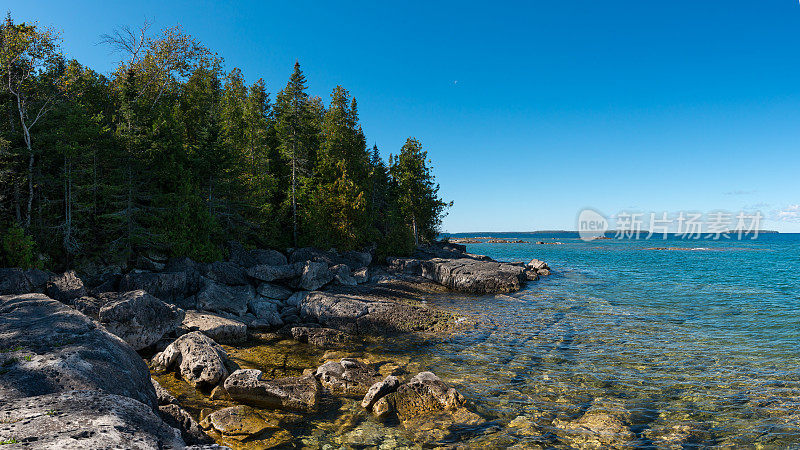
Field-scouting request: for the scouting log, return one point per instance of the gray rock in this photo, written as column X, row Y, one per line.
column 163, row 395
column 228, row 273
column 243, row 423
column 342, row 275
column 293, row 393
column 176, row 417
column 274, row 291
column 297, row 298
column 139, row 318
column 50, row 347
column 537, row 264
column 356, row 260
column 409, row 266
column 37, row 278
column 170, row 287
column 90, row 305
column 250, row 258
column 266, row 312
column 348, row 377
column 426, row 394
column 380, row 390
column 363, row 309
column 315, row 275
column 606, row 424
column 14, row 282
column 474, row 276
column 218, row 297
column 221, row 329
column 361, row 275
column 320, row 337
column 65, row 287
column 302, row 255
column 266, row 272
column 84, row 419
column 201, row 361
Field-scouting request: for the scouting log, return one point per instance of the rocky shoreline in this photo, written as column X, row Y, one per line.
column 75, row 351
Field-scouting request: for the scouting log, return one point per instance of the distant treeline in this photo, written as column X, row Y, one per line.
column 172, row 154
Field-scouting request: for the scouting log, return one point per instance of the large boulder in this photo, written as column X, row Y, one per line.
column 139, row 318
column 200, row 360
column 243, row 424
column 65, row 287
column 426, row 394
column 50, row 347
column 274, row 291
column 249, row 258
column 363, row 309
column 84, row 419
column 356, row 260
column 347, row 377
column 314, row 275
column 342, row 275
column 170, row 287
column 268, row 272
column 379, row 390
column 292, row 393
column 221, row 329
column 14, row 282
column 361, row 275
column 266, row 312
column 221, row 298
column 475, row 276
column 178, row 418
column 225, row 272
column 320, row 337
column 409, row 266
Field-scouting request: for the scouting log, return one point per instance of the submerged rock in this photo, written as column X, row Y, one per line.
column 320, row 337
column 84, row 419
column 49, row 347
column 380, row 390
column 178, row 418
column 139, row 318
column 65, row 287
column 293, row 393
column 237, row 422
column 606, row 424
column 201, row 361
column 221, row 329
column 348, row 377
column 426, row 394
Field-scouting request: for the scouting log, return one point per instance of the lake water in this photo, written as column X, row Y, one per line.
column 697, row 345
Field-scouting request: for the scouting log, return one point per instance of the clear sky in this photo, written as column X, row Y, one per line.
column 530, row 110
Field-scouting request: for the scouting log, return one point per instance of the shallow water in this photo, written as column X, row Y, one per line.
column 687, row 348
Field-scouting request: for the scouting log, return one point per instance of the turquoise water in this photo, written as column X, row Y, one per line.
column 696, row 346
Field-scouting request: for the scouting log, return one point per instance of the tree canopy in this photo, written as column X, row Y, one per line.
column 173, row 155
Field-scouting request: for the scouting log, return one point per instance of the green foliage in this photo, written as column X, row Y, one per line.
column 171, row 155
column 18, row 248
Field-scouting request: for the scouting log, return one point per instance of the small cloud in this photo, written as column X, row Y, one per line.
column 455, row 82
column 740, row 192
column 790, row 213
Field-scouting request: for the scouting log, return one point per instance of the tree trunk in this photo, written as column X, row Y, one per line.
column 414, row 227
column 294, row 200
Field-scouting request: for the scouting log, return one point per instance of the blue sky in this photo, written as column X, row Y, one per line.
column 530, row 110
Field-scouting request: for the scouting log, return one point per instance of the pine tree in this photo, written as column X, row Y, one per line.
column 418, row 192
